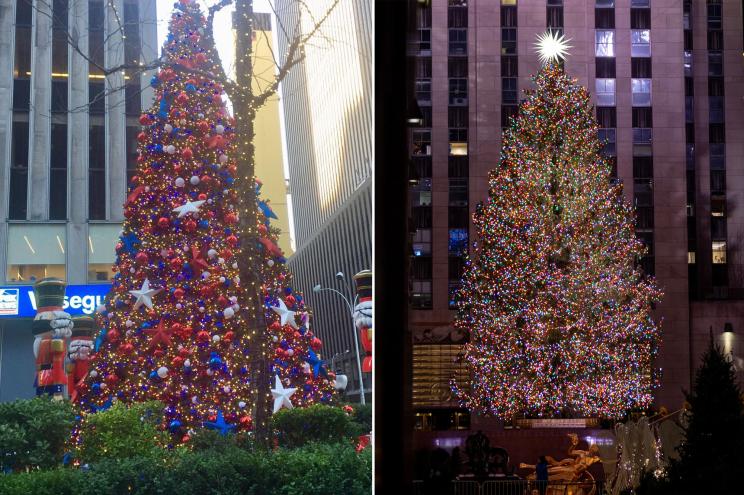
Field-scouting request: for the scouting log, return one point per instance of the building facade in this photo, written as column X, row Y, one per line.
column 666, row 79
column 67, row 150
column 327, row 103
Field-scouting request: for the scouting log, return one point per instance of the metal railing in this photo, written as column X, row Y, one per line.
column 508, row 487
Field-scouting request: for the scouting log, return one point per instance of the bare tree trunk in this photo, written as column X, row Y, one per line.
column 245, row 114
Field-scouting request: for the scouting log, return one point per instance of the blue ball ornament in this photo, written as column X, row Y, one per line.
column 203, row 224
column 154, row 82
column 174, row 425
column 96, row 387
column 288, row 291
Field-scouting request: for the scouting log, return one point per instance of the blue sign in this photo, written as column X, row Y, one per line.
column 18, row 301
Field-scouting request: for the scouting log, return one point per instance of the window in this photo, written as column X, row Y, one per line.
column 453, row 288
column 645, row 218
column 457, row 166
column 95, row 38
column 715, row 86
column 607, row 116
column 642, row 138
column 608, row 138
column 457, row 116
column 423, row 17
column 509, row 41
column 423, row 67
column 719, row 252
column 690, row 257
column 643, row 194
column 421, row 216
column 605, row 4
column 555, row 17
column 457, row 67
column 718, row 182
column 36, row 251
column 423, row 91
column 508, row 2
column 421, row 269
column 640, row 43
column 717, row 156
column 421, row 294
column 424, row 40
column 555, row 3
column 509, row 90
column 101, row 238
column 715, row 109
column 716, row 133
column 420, row 167
column 456, row 267
column 458, row 41
column 687, row 39
column 688, row 63
column 715, row 64
column 21, row 94
column 421, row 142
column 605, row 67
column 714, row 16
column 718, row 228
column 508, row 17
column 458, row 217
column 19, row 172
column 458, row 242
column 422, row 242
column 421, row 197
column 642, row 117
column 58, row 173
column 640, row 18
column 458, row 142
column 457, row 16
column 458, row 191
column 715, row 40
column 641, row 89
column 604, row 18
column 509, row 66
column 605, row 92
column 508, row 112
column 458, row 91
column 643, row 167
column 640, row 3
column 718, row 207
column 59, row 38
column 97, row 173
column 96, row 98
column 690, row 156
column 604, row 43
column 59, row 96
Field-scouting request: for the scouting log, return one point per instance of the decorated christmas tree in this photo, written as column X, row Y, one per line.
column 557, row 310
column 173, row 328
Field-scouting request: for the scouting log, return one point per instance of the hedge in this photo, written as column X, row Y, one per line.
column 314, row 469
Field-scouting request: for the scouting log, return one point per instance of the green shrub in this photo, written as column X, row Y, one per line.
column 205, row 439
column 363, row 416
column 33, row 432
column 314, row 469
column 122, row 431
column 317, row 423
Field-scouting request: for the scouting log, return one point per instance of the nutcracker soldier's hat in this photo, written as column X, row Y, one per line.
column 363, row 281
column 85, row 326
column 50, row 292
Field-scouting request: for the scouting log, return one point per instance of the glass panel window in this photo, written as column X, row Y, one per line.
column 95, row 39
column 458, row 142
column 642, row 141
column 422, row 242
column 424, row 40
column 604, row 43
column 58, row 175
column 715, row 109
column 458, row 41
column 458, row 91
column 605, row 92
column 607, row 4
column 421, row 141
column 688, row 63
column 509, row 41
column 423, row 91
column 717, row 156
column 19, row 172
column 36, row 251
column 458, row 242
column 640, row 43
column 97, row 173
column 102, row 239
column 59, row 39
column 509, row 90
column 640, row 3
column 715, row 64
column 690, row 257
column 714, row 16
column 608, row 138
column 458, row 191
column 641, row 89
column 719, row 252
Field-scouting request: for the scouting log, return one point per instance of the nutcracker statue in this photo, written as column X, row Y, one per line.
column 363, row 315
column 50, row 328
column 79, row 352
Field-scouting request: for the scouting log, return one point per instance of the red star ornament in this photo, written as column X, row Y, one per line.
column 160, row 335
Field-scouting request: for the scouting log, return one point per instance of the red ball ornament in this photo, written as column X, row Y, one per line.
column 203, row 197
column 145, row 119
column 187, row 154
column 163, row 222
column 185, row 438
column 141, row 258
column 205, row 179
column 178, row 293
column 203, row 126
column 184, row 352
column 232, row 169
column 111, row 379
column 202, row 336
column 127, row 348
column 177, row 362
column 231, row 218
column 190, row 226
column 141, row 137
column 182, row 98
column 229, row 336
column 176, row 263
column 222, row 301
column 217, row 99
column 297, row 335
column 290, row 300
column 316, row 343
column 200, row 58
column 245, row 421
column 262, row 229
column 158, row 353
column 275, row 326
column 232, row 240
column 113, row 336
column 227, row 254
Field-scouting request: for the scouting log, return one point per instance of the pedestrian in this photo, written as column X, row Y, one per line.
column 541, row 474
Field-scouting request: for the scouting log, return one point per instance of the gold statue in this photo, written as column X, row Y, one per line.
column 573, row 469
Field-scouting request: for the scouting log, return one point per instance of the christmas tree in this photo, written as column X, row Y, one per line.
column 173, row 329
column 558, row 314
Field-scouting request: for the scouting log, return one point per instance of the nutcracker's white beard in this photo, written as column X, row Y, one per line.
column 61, row 322
column 79, row 350
column 363, row 315
column 37, row 343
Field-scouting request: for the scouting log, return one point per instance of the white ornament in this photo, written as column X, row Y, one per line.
column 290, row 352
column 147, row 188
column 215, row 338
column 281, row 396
column 235, row 265
column 241, row 404
column 275, row 338
column 188, row 207
column 187, row 363
column 221, row 260
column 229, row 313
column 103, row 385
column 180, row 182
column 233, row 299
column 195, row 399
column 162, row 372
column 168, row 128
column 194, row 180
column 129, row 323
column 212, row 253
column 226, row 388
column 223, row 158
column 144, row 295
column 270, row 262
column 170, row 149
column 179, row 306
column 202, row 309
column 164, row 253
column 132, row 270
column 205, row 275
column 93, row 374
column 286, row 316
column 210, row 372
column 222, row 280
column 219, row 128
column 236, row 307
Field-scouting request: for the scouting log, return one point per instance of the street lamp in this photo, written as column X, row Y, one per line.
column 348, row 300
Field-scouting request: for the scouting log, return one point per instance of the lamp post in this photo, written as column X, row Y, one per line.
column 350, row 302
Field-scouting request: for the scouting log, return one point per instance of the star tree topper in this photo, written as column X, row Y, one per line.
column 552, row 47
column 281, row 395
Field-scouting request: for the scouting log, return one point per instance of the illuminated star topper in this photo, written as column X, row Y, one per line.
column 552, row 47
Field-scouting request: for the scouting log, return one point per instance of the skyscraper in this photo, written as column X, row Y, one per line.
column 328, row 120
column 67, row 149
column 666, row 79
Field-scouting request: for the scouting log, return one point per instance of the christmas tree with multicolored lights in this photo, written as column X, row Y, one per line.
column 173, row 328
column 557, row 310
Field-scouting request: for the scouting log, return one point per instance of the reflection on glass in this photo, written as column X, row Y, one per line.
column 102, row 239
column 35, row 252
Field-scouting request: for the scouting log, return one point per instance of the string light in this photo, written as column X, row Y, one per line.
column 558, row 314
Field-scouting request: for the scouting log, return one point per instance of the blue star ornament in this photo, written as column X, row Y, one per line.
column 220, row 424
column 316, row 363
column 102, row 407
column 130, row 243
column 266, row 209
